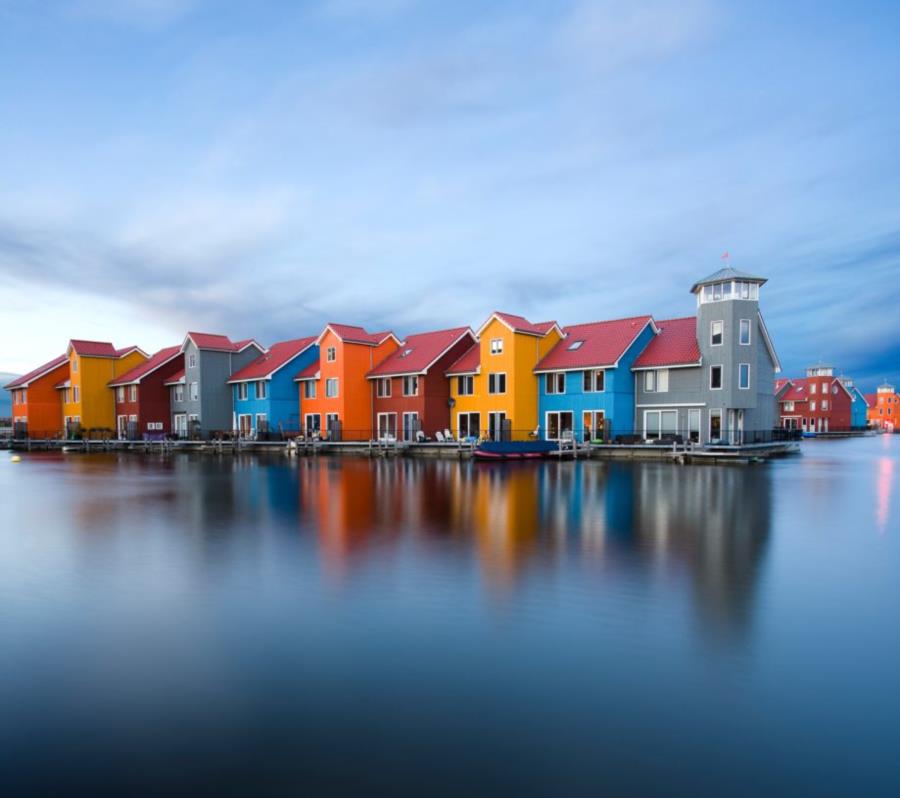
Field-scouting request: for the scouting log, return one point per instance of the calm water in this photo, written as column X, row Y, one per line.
column 341, row 625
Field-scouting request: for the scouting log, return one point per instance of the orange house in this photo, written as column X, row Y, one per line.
column 36, row 408
column 87, row 399
column 335, row 395
column 883, row 412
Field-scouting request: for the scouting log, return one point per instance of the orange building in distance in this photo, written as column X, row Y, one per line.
column 884, row 408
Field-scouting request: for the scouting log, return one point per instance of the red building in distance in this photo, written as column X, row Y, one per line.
column 818, row 402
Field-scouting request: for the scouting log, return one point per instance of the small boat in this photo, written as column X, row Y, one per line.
column 514, row 450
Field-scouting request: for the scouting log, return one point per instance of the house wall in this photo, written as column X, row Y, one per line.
column 616, row 401
column 96, row 405
column 42, row 408
column 683, row 395
column 280, row 406
column 885, row 410
column 153, row 402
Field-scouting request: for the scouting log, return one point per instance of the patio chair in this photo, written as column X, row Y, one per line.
column 449, row 436
column 439, row 436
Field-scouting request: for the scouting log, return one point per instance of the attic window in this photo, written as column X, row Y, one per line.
column 575, row 345
column 406, row 353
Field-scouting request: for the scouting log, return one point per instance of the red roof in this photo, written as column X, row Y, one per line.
column 419, row 352
column 308, row 373
column 871, row 398
column 796, row 392
column 350, row 333
column 675, row 345
column 94, row 348
column 175, row 378
column 468, row 363
column 602, row 344
column 269, row 362
column 221, row 343
column 40, row 371
column 125, row 350
column 522, row 325
column 138, row 373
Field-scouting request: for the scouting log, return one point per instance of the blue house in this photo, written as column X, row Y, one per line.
column 859, row 409
column 264, row 391
column 585, row 384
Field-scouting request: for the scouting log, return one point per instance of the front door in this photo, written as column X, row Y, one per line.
column 244, row 424
column 122, row 427
column 410, row 426
column 387, row 426
column 495, row 425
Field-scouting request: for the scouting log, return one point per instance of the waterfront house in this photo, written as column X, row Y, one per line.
column 818, row 402
column 264, row 392
column 859, row 409
column 410, row 390
column 142, row 396
column 493, row 387
column 87, row 401
column 36, row 404
column 585, row 384
column 710, row 377
column 884, row 408
column 335, row 397
column 201, row 398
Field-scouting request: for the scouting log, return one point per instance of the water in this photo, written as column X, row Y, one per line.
column 262, row 626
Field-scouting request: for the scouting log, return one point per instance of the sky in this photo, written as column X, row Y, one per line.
column 260, row 168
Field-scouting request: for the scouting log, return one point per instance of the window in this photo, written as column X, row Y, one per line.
column 662, row 381
column 559, row 424
column 309, row 389
column 120, row 394
column 241, row 390
column 195, row 391
column 192, row 360
column 716, row 333
column 812, row 406
column 331, row 387
column 465, row 385
column 649, row 381
column 824, row 387
column 313, row 424
column 555, row 383
column 261, row 389
column 744, row 376
column 387, row 425
column 383, row 387
column 745, row 332
column 496, row 346
column 331, row 354
column 715, row 425
column 789, row 407
column 694, row 425
column 834, row 390
column 575, row 345
column 594, row 381
column 660, row 422
column 744, row 290
column 812, row 388
column 406, row 353
column 75, row 365
column 262, row 422
column 411, row 426
column 411, row 385
column 132, row 418
column 468, row 425
column 132, row 393
column 715, row 378
column 75, row 394
column 179, row 393
column 717, row 291
column 824, row 404
column 497, row 382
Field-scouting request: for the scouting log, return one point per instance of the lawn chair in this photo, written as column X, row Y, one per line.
column 439, row 436
column 449, row 436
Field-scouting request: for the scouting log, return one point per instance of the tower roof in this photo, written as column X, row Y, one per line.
column 728, row 273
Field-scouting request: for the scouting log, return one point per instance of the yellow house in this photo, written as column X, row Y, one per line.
column 87, row 399
column 493, row 388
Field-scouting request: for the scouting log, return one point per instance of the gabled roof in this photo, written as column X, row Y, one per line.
column 219, row 343
column 520, row 324
column 796, row 391
column 40, row 371
column 352, row 334
column 675, row 345
column 275, row 358
column 871, row 399
column 176, row 379
column 727, row 274
column 135, row 375
column 468, row 363
column 311, row 372
column 418, row 353
column 602, row 344
column 100, row 349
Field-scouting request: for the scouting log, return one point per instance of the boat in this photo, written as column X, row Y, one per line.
column 514, row 450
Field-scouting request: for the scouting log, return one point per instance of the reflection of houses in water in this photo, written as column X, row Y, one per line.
column 714, row 519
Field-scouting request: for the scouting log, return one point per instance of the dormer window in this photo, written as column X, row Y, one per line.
column 406, row 353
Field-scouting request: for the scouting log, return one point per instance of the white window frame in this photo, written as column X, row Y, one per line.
column 260, row 416
column 659, row 414
column 262, row 390
column 494, row 382
column 195, row 391
column 383, row 387
column 590, row 377
column 132, row 393
column 812, row 407
column 192, row 360
column 741, row 386
column 749, row 328
column 309, row 389
column 824, row 405
column 329, row 382
column 465, row 385
column 306, row 420
column 411, row 381
column 407, row 415
column 712, row 332
column 179, row 393
column 721, row 377
column 650, row 381
column 76, row 393
column 242, row 392
column 381, row 434
column 559, row 414
column 662, row 380
column 555, row 383
column 331, row 354
column 75, row 365
column 468, row 414
column 120, row 394
column 496, row 346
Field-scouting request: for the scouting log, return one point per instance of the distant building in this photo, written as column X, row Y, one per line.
column 36, row 404
column 884, row 408
column 710, row 377
column 142, row 396
column 820, row 402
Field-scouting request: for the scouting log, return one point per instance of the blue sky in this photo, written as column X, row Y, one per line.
column 259, row 168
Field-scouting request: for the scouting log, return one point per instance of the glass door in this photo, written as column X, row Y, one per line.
column 495, row 425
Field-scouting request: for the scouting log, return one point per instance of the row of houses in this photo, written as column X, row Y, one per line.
column 705, row 377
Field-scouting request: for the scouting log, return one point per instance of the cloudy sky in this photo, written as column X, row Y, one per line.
column 258, row 168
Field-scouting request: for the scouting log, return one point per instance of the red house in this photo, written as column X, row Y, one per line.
column 410, row 392
column 819, row 402
column 142, row 396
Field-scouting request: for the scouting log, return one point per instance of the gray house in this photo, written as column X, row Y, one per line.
column 710, row 377
column 201, row 398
